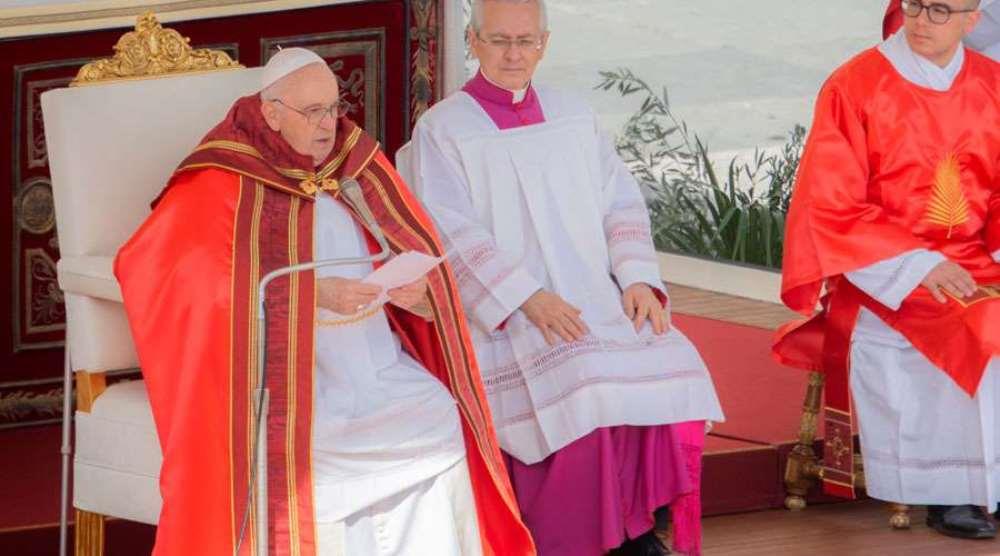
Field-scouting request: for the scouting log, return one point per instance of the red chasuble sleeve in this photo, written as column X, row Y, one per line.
column 833, row 228
column 176, row 275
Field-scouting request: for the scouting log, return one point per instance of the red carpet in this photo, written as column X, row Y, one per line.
column 762, row 400
column 745, row 456
column 744, row 459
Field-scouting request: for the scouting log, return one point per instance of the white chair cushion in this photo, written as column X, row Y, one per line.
column 116, row 468
column 90, row 276
column 99, row 338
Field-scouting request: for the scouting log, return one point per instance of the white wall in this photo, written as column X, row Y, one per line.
column 742, row 73
column 24, row 3
column 39, row 17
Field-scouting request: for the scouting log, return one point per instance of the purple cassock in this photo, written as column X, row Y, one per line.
column 591, row 495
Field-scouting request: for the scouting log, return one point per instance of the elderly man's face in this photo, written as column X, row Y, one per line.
column 305, row 111
column 935, row 40
column 510, row 42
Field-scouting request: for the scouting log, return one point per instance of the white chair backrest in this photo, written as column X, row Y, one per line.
column 112, row 148
column 404, row 165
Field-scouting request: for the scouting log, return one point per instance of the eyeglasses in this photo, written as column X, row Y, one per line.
column 317, row 114
column 937, row 13
column 504, row 44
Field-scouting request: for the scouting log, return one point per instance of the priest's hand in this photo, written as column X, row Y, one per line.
column 952, row 277
column 554, row 317
column 409, row 295
column 345, row 296
column 641, row 304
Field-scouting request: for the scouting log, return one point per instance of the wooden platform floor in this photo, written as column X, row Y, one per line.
column 729, row 308
column 840, row 529
column 844, row 529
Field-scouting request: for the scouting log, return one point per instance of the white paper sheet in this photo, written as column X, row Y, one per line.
column 401, row 270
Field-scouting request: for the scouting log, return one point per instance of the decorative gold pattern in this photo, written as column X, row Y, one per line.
column 424, row 35
column 46, row 311
column 19, row 404
column 357, row 317
column 231, row 145
column 313, row 184
column 948, row 206
column 803, row 467
column 152, row 51
column 33, row 284
column 839, row 450
column 35, row 207
column 37, row 153
column 899, row 516
column 983, row 293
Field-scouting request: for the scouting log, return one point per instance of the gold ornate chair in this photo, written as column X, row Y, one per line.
column 114, row 138
column 804, row 468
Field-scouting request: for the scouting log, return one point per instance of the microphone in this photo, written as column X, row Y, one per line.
column 350, row 190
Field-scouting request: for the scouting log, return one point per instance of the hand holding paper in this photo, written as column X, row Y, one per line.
column 403, row 269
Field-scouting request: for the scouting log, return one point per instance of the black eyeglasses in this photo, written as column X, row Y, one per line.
column 317, row 114
column 504, row 44
column 937, row 13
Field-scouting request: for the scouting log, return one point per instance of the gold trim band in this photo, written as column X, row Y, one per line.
column 357, row 317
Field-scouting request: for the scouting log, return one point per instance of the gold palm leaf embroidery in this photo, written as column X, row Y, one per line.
column 948, row 206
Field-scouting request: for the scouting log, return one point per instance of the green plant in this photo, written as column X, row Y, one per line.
column 739, row 216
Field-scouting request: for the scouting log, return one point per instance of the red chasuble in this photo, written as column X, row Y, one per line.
column 890, row 167
column 239, row 206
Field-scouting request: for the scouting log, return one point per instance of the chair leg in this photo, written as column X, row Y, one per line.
column 899, row 516
column 89, row 534
column 803, row 468
column 89, row 525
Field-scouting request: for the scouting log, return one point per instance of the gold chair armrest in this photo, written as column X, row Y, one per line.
column 88, row 387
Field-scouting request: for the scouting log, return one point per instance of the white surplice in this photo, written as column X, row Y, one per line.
column 384, row 429
column 923, row 439
column 552, row 206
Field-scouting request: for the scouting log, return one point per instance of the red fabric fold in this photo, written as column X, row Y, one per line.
column 893, row 19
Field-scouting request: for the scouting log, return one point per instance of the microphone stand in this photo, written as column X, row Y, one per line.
column 258, row 469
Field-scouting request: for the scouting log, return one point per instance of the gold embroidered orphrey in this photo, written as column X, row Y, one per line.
column 948, row 206
column 315, row 183
column 983, row 293
column 152, row 51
